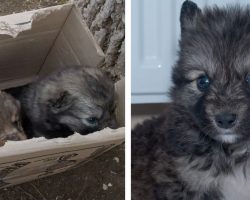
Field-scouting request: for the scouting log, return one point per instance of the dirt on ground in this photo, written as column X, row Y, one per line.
column 100, row 179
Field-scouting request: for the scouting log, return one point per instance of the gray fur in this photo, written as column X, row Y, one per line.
column 183, row 154
column 62, row 103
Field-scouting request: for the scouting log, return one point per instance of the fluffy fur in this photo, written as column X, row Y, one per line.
column 10, row 122
column 74, row 99
column 183, row 154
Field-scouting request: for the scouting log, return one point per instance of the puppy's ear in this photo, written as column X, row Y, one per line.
column 189, row 15
column 63, row 101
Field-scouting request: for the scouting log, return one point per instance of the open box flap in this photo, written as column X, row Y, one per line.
column 35, row 43
column 72, row 48
column 25, row 40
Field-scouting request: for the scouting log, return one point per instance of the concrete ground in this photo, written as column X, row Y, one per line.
column 100, row 179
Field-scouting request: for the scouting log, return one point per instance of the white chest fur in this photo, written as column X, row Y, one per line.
column 237, row 187
column 233, row 187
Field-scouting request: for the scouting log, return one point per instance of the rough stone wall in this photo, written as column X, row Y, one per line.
column 106, row 20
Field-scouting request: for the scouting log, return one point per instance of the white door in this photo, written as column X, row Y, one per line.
column 155, row 34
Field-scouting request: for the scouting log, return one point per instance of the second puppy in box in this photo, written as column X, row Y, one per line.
column 10, row 123
column 74, row 99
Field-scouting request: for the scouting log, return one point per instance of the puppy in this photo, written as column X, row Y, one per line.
column 10, row 122
column 202, row 140
column 73, row 99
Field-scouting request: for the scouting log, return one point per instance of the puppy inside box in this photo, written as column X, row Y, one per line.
column 71, row 99
column 47, row 50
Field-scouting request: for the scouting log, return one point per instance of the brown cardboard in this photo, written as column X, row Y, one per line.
column 37, row 42
column 33, row 44
column 72, row 48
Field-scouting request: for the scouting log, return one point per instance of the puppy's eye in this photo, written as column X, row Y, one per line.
column 248, row 79
column 203, row 83
column 92, row 121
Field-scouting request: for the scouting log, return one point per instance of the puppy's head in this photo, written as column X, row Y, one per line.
column 212, row 76
column 85, row 101
column 10, row 124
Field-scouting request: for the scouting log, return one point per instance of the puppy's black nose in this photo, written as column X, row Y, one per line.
column 225, row 120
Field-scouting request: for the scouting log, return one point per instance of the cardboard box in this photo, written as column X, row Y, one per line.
column 33, row 44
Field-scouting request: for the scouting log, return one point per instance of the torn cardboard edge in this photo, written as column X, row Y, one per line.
column 12, row 25
column 15, row 148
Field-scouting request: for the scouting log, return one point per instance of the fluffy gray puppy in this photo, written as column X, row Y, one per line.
column 73, row 99
column 202, row 141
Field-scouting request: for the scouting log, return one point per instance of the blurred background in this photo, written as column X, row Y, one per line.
column 155, row 35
